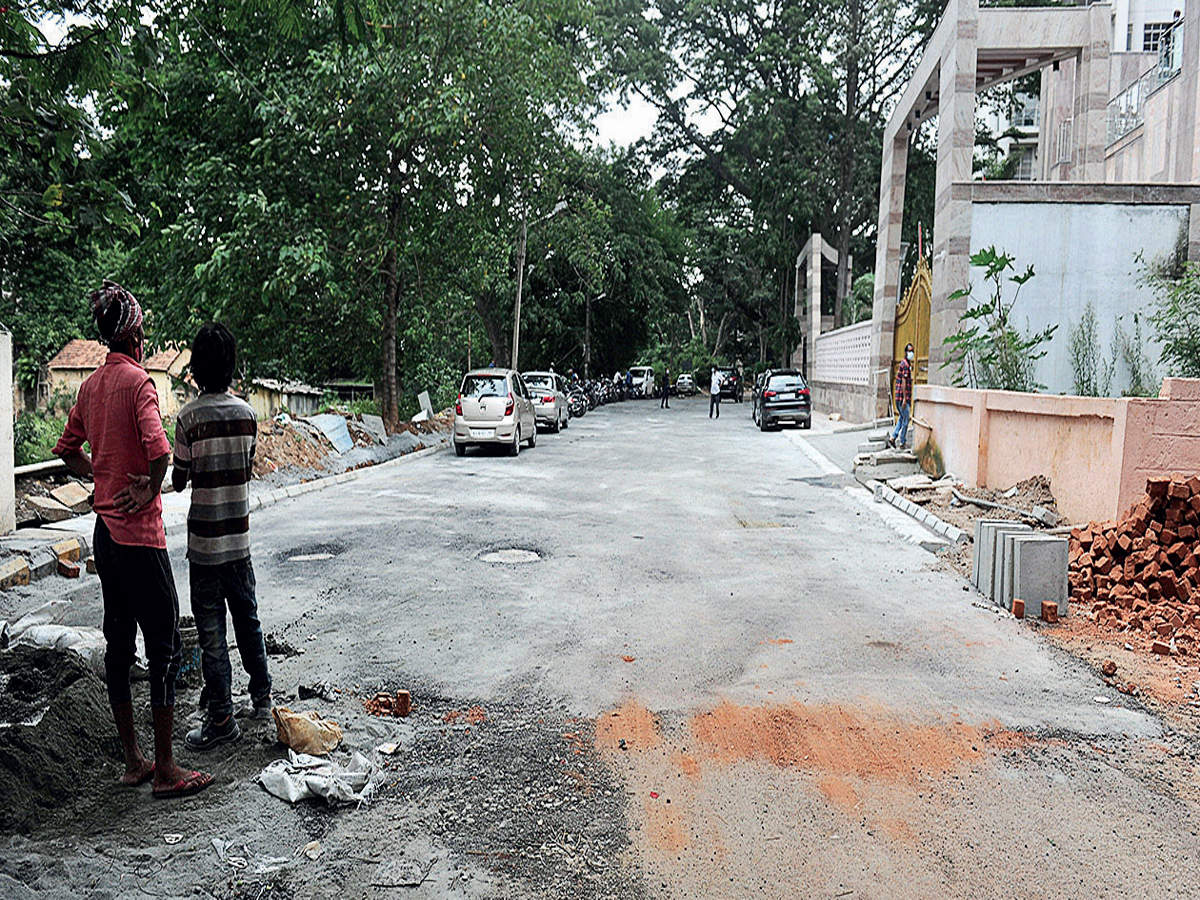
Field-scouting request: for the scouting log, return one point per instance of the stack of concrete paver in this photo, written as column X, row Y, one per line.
column 1020, row 569
column 1142, row 573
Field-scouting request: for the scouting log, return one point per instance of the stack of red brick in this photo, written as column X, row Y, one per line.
column 1143, row 572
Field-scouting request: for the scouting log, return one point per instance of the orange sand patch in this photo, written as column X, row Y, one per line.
column 687, row 764
column 898, row 830
column 835, row 740
column 778, row 642
column 838, row 792
column 476, row 715
column 630, row 722
column 663, row 828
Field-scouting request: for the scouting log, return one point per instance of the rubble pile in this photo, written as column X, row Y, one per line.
column 281, row 444
column 1142, row 573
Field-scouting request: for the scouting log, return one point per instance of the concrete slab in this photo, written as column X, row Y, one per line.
column 998, row 557
column 74, row 496
column 1040, row 572
column 979, row 542
column 49, row 509
column 987, row 554
column 1004, row 587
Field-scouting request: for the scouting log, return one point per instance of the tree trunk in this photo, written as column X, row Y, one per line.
column 391, row 387
column 494, row 330
column 847, row 168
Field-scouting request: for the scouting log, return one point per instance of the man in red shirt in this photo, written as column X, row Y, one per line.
column 903, row 398
column 117, row 414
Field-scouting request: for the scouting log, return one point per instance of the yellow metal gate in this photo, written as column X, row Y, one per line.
column 912, row 326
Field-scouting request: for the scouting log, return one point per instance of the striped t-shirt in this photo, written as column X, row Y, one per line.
column 214, row 444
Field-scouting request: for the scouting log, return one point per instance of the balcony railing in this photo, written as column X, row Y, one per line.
column 1126, row 111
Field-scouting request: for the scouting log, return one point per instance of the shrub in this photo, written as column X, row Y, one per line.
column 988, row 351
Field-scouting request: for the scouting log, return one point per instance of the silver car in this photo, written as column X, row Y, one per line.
column 493, row 407
column 548, row 391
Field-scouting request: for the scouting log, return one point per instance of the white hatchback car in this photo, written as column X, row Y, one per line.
column 493, row 407
column 548, row 391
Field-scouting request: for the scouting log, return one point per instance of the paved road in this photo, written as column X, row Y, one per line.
column 725, row 675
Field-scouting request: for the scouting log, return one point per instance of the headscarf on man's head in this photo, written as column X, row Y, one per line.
column 116, row 326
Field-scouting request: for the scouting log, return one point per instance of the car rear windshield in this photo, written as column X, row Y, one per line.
column 786, row 383
column 541, row 382
column 485, row 386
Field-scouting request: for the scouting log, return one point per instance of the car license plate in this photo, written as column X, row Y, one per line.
column 483, row 432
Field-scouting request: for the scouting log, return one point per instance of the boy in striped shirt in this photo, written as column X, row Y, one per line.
column 214, row 449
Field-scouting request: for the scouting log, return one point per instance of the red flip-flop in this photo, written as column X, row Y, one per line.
column 190, row 783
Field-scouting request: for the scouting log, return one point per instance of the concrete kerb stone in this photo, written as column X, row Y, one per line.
column 985, row 551
column 996, row 582
column 1040, row 571
column 979, row 542
column 884, row 493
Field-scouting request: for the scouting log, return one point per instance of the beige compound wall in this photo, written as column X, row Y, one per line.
column 1096, row 451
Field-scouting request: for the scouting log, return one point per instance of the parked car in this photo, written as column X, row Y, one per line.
column 781, row 396
column 548, row 391
column 493, row 407
column 685, row 385
column 643, row 380
column 731, row 384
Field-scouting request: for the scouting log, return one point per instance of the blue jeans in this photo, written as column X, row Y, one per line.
column 213, row 588
column 900, row 432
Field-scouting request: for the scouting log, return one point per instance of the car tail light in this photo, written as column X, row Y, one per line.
column 547, row 399
column 803, row 392
column 458, row 406
column 767, row 395
column 512, row 404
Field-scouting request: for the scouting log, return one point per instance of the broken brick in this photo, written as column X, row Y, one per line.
column 1049, row 611
column 1018, row 608
column 1162, row 648
column 68, row 569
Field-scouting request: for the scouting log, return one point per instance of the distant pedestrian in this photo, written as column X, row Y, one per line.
column 117, row 414
column 666, row 390
column 714, row 395
column 903, row 397
column 214, row 448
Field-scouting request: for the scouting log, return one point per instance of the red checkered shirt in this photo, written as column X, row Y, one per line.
column 903, row 383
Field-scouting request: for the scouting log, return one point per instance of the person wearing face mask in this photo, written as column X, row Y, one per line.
column 116, row 412
column 903, row 398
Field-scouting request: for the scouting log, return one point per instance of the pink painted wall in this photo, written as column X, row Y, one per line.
column 1096, row 451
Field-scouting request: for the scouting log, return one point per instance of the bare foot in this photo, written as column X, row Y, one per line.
column 180, row 783
column 137, row 773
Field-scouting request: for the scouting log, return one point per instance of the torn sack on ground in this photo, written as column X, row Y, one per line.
column 304, row 777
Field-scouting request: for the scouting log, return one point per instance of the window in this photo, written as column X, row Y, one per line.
column 1155, row 35
column 1064, row 141
column 476, row 386
column 1025, row 168
column 1025, row 113
column 1128, row 37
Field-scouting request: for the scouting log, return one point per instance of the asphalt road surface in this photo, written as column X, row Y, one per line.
column 721, row 674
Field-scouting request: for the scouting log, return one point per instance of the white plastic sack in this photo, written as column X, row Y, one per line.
column 304, row 777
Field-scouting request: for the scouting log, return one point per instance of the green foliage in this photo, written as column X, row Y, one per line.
column 860, row 304
column 34, row 435
column 1092, row 375
column 1143, row 381
column 1175, row 320
column 988, row 351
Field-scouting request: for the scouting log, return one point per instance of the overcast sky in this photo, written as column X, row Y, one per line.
column 622, row 125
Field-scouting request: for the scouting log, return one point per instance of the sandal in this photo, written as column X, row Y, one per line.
column 190, row 783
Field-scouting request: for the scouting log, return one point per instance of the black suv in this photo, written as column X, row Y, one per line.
column 781, row 395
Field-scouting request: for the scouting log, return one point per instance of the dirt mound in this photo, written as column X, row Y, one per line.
column 55, row 729
column 281, row 445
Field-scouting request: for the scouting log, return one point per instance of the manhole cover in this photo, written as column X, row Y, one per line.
column 510, row 555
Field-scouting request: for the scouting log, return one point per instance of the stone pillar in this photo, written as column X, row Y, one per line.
column 8, row 501
column 1090, row 102
column 814, row 297
column 952, row 193
column 887, row 264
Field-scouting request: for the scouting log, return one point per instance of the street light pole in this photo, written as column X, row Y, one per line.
column 587, row 334
column 516, row 341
